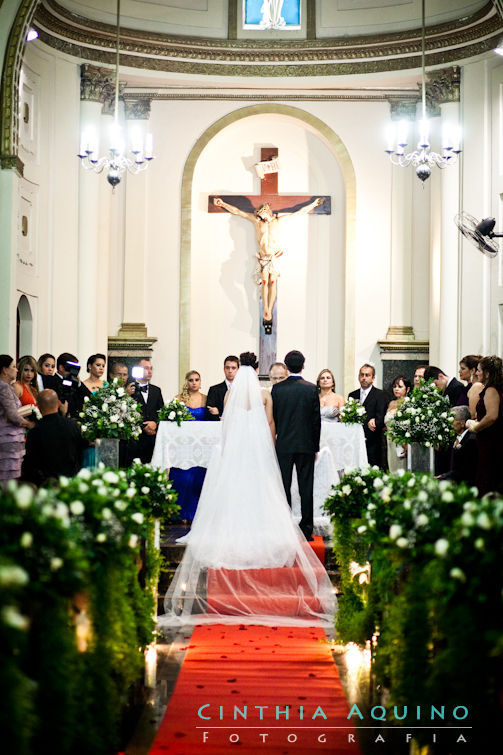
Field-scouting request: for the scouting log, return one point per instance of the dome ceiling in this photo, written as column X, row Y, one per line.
column 203, row 37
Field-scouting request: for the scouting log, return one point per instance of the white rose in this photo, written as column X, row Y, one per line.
column 395, row 531
column 61, row 511
column 378, row 483
column 422, row 520
column 101, row 490
column 441, row 547
column 138, row 517
column 120, row 391
column 13, row 576
column 83, row 428
column 467, row 519
column 479, row 543
column 427, row 443
column 133, row 541
column 104, row 407
column 106, row 513
column 422, row 496
column 361, row 528
column 447, row 496
column 406, row 505
column 101, row 537
column 411, row 482
column 77, row 508
column 171, row 415
column 145, row 490
column 84, row 474
column 456, row 573
column 402, row 542
column 83, row 488
column 130, row 492
column 26, row 539
column 12, row 618
column 111, row 477
column 371, row 506
column 24, row 496
column 386, row 495
column 484, row 521
column 346, row 489
column 120, row 505
column 56, row 563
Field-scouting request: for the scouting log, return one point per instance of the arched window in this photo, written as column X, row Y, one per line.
column 24, row 328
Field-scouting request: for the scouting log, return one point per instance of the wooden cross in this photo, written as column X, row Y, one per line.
column 283, row 203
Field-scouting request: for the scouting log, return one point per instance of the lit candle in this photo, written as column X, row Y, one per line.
column 390, row 138
column 150, row 666
column 136, row 140
column 424, row 130
column 446, row 137
column 149, row 146
column 403, row 127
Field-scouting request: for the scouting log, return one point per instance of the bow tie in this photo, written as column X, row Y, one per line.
column 144, row 388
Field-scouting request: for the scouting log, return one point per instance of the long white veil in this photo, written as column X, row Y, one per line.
column 246, row 560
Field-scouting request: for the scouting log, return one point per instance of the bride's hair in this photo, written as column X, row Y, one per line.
column 248, row 359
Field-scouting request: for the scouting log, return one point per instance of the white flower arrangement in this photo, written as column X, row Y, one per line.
column 352, row 413
column 423, row 417
column 174, row 411
column 111, row 413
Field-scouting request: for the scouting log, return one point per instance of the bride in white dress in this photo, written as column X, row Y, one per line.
column 246, row 560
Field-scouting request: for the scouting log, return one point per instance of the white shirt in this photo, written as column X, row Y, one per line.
column 364, row 393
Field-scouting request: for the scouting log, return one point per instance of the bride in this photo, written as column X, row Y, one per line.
column 246, row 560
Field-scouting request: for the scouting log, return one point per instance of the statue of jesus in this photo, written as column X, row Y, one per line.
column 267, row 228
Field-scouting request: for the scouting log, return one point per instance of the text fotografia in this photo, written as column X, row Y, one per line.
column 406, row 713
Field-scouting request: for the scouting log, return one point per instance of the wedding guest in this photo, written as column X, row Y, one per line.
column 330, row 401
column 188, row 483
column 96, row 369
column 375, row 402
column 150, row 399
column 70, row 395
column 450, row 387
column 216, row 393
column 26, row 384
column 397, row 453
column 120, row 371
column 464, row 451
column 12, row 425
column 46, row 370
column 489, row 426
column 54, row 446
column 467, row 369
column 277, row 372
column 419, row 374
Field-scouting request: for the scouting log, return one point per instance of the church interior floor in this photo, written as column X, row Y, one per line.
column 353, row 666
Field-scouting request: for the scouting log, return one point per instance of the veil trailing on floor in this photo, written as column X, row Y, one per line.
column 246, row 560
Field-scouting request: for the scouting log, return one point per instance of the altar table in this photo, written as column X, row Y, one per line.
column 342, row 447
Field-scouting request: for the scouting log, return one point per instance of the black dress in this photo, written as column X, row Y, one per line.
column 490, row 449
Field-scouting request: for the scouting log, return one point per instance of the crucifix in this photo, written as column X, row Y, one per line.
column 262, row 211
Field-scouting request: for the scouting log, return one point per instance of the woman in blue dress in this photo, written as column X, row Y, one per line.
column 189, row 482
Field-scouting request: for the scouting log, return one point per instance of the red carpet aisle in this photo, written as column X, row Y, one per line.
column 247, row 666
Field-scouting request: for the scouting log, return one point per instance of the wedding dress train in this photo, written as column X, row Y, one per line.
column 246, row 560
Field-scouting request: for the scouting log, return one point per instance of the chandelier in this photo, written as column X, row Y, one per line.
column 117, row 161
column 423, row 159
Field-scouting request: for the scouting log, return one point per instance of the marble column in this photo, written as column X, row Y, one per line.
column 449, row 257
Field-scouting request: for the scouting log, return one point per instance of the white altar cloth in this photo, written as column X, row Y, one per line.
column 192, row 444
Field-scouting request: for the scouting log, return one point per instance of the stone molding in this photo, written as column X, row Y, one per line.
column 137, row 109
column 442, row 86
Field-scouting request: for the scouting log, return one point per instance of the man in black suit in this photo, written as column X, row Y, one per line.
column 464, row 451
column 296, row 411
column 450, row 387
column 216, row 393
column 71, row 396
column 150, row 400
column 456, row 393
column 54, row 446
column 375, row 402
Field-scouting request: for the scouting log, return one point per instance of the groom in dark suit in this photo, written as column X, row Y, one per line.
column 216, row 393
column 375, row 402
column 296, row 410
column 150, row 400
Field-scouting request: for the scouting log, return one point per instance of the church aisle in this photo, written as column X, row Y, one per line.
column 271, row 687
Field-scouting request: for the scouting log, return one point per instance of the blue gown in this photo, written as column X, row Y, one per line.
column 188, row 483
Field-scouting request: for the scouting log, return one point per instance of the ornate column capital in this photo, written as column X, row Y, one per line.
column 137, row 109
column 402, row 109
column 96, row 84
column 442, row 86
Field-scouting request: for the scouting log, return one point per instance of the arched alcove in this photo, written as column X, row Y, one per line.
column 314, row 138
column 24, row 327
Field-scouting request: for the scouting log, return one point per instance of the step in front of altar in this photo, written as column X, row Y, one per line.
column 172, row 554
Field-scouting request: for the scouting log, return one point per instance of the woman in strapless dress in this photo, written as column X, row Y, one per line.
column 330, row 401
column 397, row 453
column 188, row 483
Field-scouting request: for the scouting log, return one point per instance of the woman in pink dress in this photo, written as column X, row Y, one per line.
column 12, row 425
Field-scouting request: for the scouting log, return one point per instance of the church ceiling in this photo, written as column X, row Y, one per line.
column 91, row 39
